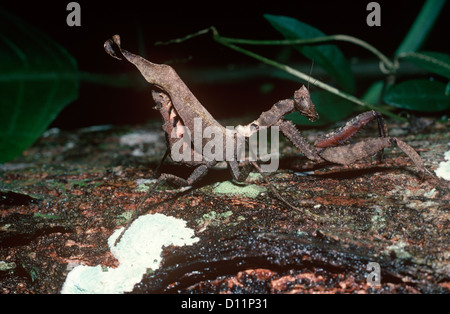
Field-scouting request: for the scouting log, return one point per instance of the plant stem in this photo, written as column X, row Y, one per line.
column 306, row 77
column 389, row 65
column 316, row 40
column 229, row 42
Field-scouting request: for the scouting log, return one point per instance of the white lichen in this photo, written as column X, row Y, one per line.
column 142, row 185
column 443, row 171
column 139, row 250
column 399, row 249
column 228, row 187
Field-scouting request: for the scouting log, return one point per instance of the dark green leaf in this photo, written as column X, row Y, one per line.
column 373, row 93
column 37, row 79
column 419, row 95
column 331, row 108
column 422, row 26
column 327, row 56
column 436, row 62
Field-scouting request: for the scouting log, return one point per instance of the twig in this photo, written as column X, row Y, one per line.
column 388, row 64
column 229, row 42
column 310, row 79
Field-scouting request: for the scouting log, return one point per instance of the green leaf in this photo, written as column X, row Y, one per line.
column 331, row 108
column 373, row 93
column 447, row 89
column 436, row 62
column 38, row 78
column 419, row 95
column 421, row 27
column 329, row 57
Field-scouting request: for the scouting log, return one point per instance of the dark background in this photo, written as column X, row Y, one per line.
column 201, row 62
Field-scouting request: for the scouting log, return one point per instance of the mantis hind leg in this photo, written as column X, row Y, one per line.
column 348, row 154
column 344, row 133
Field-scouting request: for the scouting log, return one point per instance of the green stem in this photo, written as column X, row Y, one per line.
column 229, row 42
column 389, row 65
column 305, row 77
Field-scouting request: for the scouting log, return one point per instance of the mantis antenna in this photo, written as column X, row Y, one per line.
column 310, row 72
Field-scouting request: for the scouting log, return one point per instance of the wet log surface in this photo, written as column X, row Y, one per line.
column 66, row 195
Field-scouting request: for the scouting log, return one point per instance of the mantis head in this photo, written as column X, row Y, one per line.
column 304, row 104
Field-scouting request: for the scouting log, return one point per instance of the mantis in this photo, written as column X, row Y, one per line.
column 179, row 109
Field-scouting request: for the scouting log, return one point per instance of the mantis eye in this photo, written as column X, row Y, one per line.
column 304, row 104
